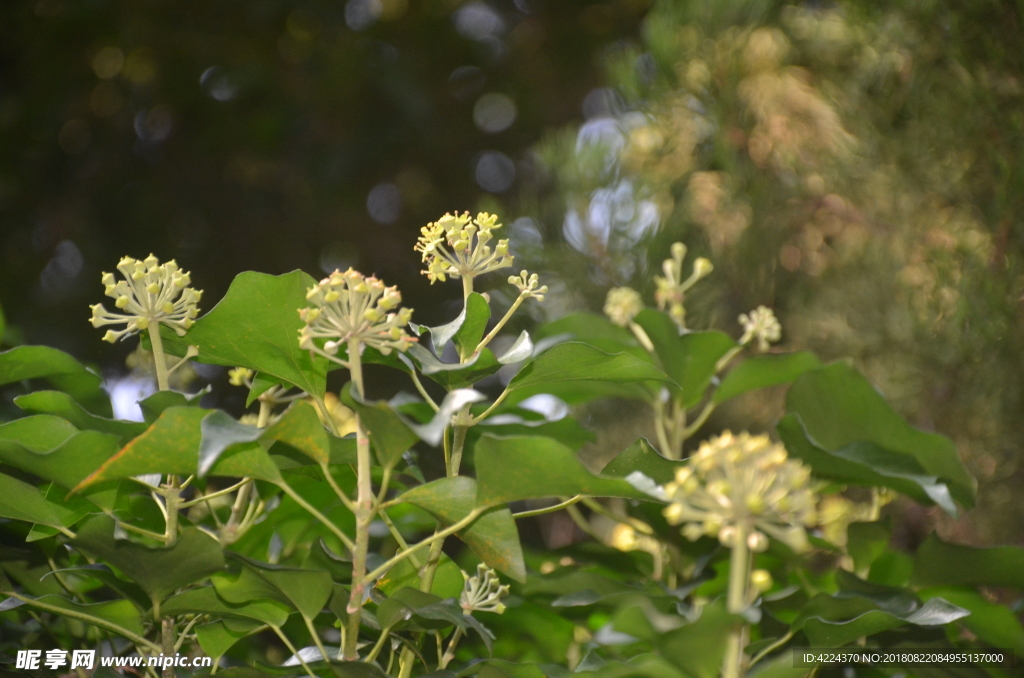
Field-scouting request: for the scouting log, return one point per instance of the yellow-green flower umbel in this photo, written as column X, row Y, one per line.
column 457, row 246
column 670, row 290
column 622, row 305
column 350, row 306
column 151, row 292
column 761, row 325
column 743, row 487
column 483, row 591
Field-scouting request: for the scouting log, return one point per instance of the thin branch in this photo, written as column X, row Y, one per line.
column 88, row 618
column 501, row 323
column 423, row 392
column 549, row 509
column 214, row 495
column 290, row 491
column 295, row 653
column 349, row 504
column 486, row 413
column 401, row 555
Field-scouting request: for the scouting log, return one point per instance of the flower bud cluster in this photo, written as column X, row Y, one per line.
column 761, row 325
column 743, row 485
column 483, row 591
column 527, row 283
column 457, row 246
column 350, row 306
column 622, row 305
column 670, row 290
column 151, row 292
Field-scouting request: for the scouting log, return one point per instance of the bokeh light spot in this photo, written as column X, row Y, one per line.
column 495, row 172
column 384, row 203
column 494, row 112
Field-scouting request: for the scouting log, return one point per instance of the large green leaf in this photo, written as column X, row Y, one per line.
column 835, row 620
column 64, row 372
column 105, row 575
column 69, row 509
column 67, row 464
column 119, row 612
column 204, row 600
column 21, row 501
column 305, row 590
column 478, row 312
column 594, row 329
column 493, row 536
column 763, row 371
column 838, row 407
column 217, row 638
column 447, row 582
column 642, row 457
column 525, row 467
column 453, row 375
column 431, row 611
column 865, row 463
column 256, row 325
column 940, row 564
column 698, row 647
column 171, row 445
column 573, row 362
column 64, row 406
column 300, row 428
column 995, row 624
column 159, row 571
column 690, row 359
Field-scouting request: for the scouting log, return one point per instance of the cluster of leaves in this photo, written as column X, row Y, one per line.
column 262, row 546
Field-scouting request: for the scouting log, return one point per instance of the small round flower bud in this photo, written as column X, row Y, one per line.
column 761, row 580
column 757, row 542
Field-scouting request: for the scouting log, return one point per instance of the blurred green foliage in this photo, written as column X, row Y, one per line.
column 854, row 166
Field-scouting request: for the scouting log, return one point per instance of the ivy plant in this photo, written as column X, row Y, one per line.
column 328, row 524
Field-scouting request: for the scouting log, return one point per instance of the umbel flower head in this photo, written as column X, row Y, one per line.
column 349, row 306
column 483, row 591
column 670, row 290
column 151, row 292
column 527, row 284
column 762, row 325
column 743, row 485
column 457, row 246
column 622, row 305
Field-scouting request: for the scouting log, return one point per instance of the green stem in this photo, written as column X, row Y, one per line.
column 167, row 637
column 486, row 413
column 659, row 427
column 774, row 646
column 699, row 421
column 449, row 654
column 642, row 337
column 266, row 407
column 159, row 358
column 290, row 491
column 172, row 501
column 363, row 512
column 349, row 504
column 463, row 421
column 438, row 537
column 423, row 392
column 184, row 631
column 316, row 638
column 549, row 509
column 467, row 287
column 736, row 600
column 88, row 618
column 291, row 648
column 379, row 645
column 213, row 495
column 501, row 323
